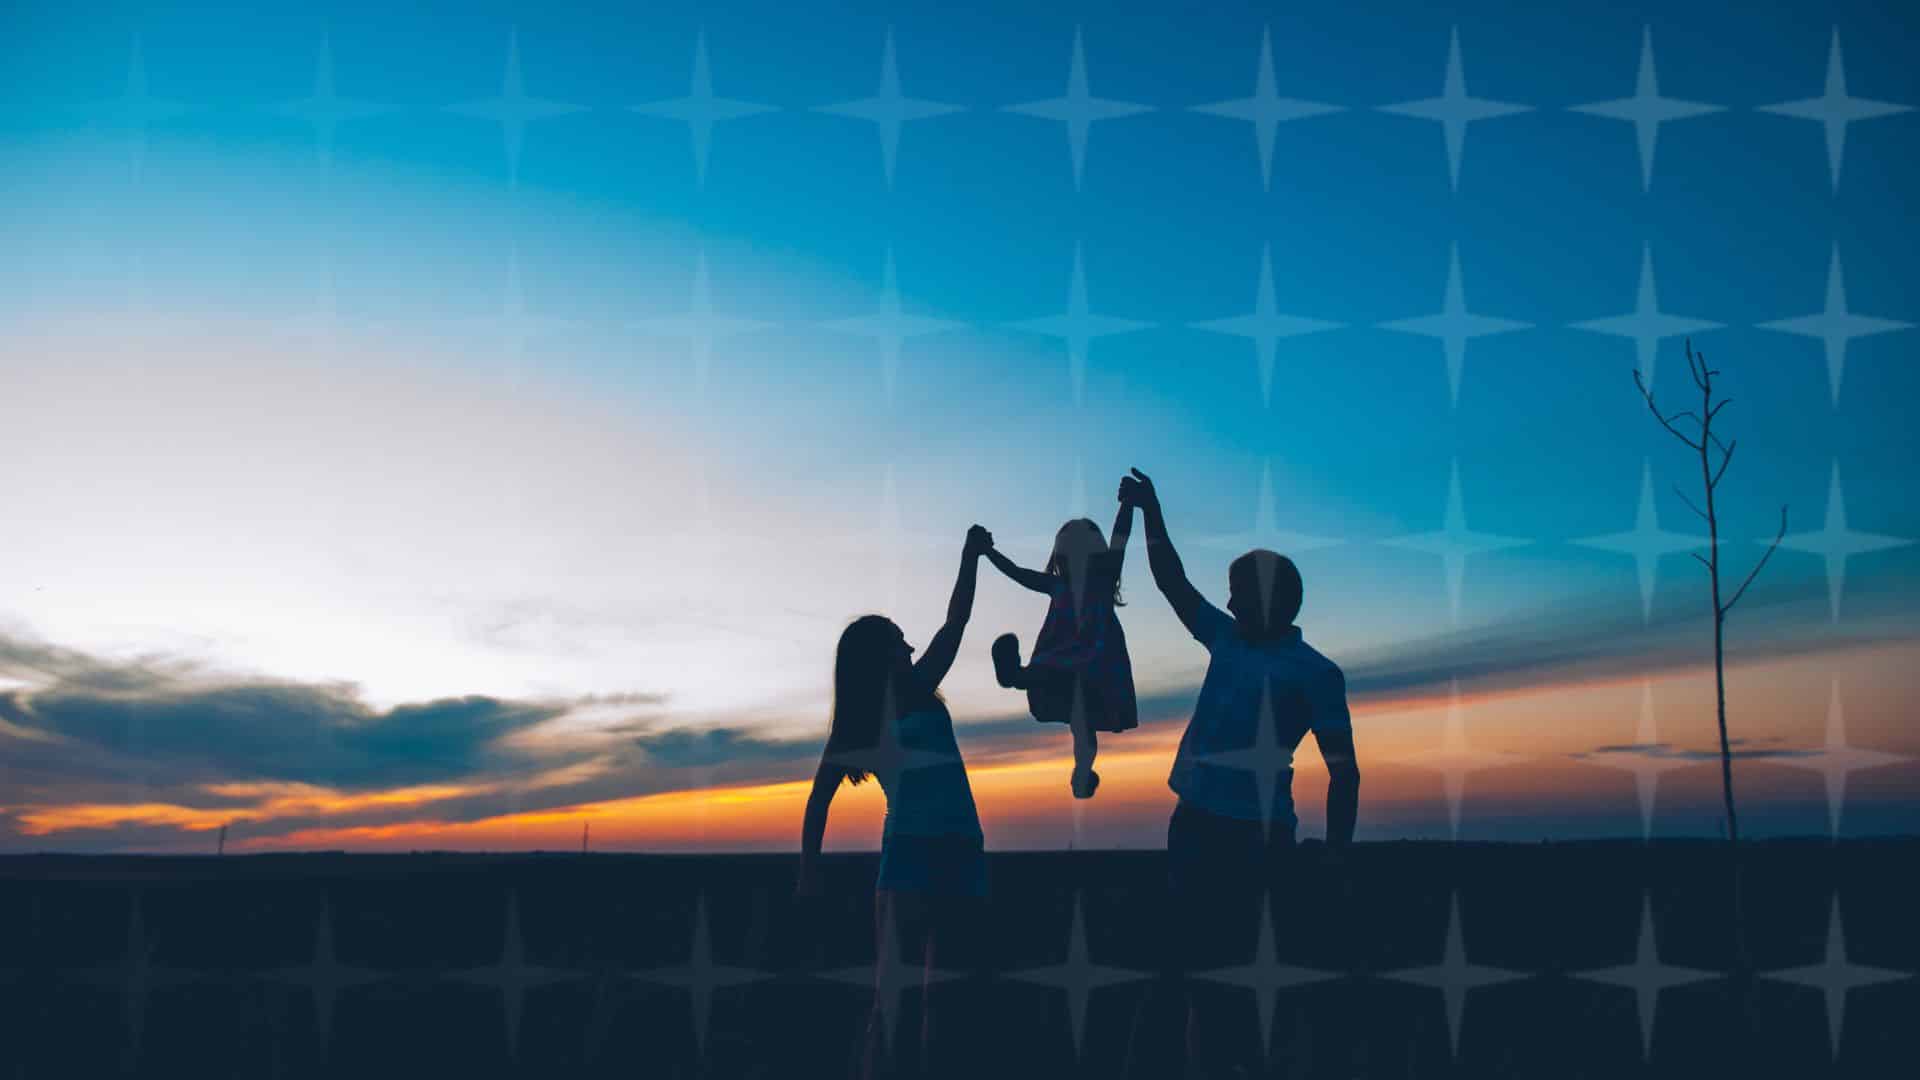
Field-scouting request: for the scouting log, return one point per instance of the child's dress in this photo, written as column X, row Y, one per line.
column 1089, row 649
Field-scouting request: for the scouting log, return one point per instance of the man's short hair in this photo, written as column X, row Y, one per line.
column 1268, row 586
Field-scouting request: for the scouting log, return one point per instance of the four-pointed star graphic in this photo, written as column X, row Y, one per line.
column 1646, row 541
column 1836, row 542
column 1266, row 976
column 1454, row 109
column 135, row 978
column 1834, row 109
column 325, row 109
column 1267, row 759
column 1836, row 759
column 1078, row 109
column 1454, row 543
column 137, row 110
column 1836, row 977
column 1646, row 976
column 701, row 977
column 889, row 109
column 512, row 975
column 513, row 108
column 1267, row 531
column 1646, row 325
column 891, row 975
column 1454, row 976
column 1265, row 326
column 888, row 759
column 1454, row 326
column 516, row 326
column 1078, row 326
column 700, row 110
column 1646, row 110
column 701, row 326
column 890, row 326
column 1455, row 760
column 324, row 977
column 1266, row 110
column 1077, row 976
column 1643, row 759
column 1834, row 325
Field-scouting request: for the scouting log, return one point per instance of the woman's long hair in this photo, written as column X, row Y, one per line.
column 867, row 663
column 1076, row 544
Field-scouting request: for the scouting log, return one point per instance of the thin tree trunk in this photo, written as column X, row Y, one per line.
column 1710, row 479
column 1720, row 672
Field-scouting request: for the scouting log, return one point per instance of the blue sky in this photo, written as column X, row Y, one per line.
column 412, row 504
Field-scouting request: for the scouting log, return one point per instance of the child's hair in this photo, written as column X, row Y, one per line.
column 871, row 657
column 1078, row 541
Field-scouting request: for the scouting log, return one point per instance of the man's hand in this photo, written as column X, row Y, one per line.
column 1138, row 490
column 979, row 542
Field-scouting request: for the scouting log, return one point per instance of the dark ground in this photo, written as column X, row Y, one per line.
column 75, row 1001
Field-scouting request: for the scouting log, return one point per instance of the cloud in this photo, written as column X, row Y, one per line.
column 1739, row 749
column 1603, row 637
column 184, row 742
column 194, row 746
column 710, row 747
column 191, row 730
column 140, row 753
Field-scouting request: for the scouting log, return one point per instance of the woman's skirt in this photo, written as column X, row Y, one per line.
column 933, row 865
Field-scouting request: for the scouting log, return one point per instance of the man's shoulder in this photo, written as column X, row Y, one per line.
column 1319, row 663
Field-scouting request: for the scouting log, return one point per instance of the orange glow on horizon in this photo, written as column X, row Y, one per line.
column 275, row 800
column 1542, row 740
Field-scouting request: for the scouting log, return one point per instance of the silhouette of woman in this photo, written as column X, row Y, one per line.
column 890, row 724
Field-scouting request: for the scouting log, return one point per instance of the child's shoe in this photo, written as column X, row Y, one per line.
column 1085, row 783
column 1006, row 660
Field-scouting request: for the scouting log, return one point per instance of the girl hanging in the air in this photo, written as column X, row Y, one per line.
column 1079, row 674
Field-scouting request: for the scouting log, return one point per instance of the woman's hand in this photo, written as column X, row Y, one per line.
column 979, row 542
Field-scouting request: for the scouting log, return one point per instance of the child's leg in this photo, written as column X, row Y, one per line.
column 1085, row 743
column 1084, row 780
column 1006, row 662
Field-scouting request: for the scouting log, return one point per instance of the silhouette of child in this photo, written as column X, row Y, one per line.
column 1080, row 674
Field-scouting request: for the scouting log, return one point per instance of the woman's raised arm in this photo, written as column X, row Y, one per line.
column 940, row 652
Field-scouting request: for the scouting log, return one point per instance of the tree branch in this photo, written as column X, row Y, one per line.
column 1724, row 462
column 1697, row 367
column 1771, row 548
column 1689, row 502
column 1655, row 410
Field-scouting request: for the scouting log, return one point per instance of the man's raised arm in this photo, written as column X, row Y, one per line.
column 1168, row 573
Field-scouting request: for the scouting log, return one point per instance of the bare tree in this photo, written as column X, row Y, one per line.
column 1706, row 445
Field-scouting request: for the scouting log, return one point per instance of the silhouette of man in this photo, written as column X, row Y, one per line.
column 1221, row 842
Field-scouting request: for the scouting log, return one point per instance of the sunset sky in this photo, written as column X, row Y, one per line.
column 377, row 474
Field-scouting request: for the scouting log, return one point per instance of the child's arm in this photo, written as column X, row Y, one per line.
column 1032, row 579
column 813, row 826
column 1122, row 529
